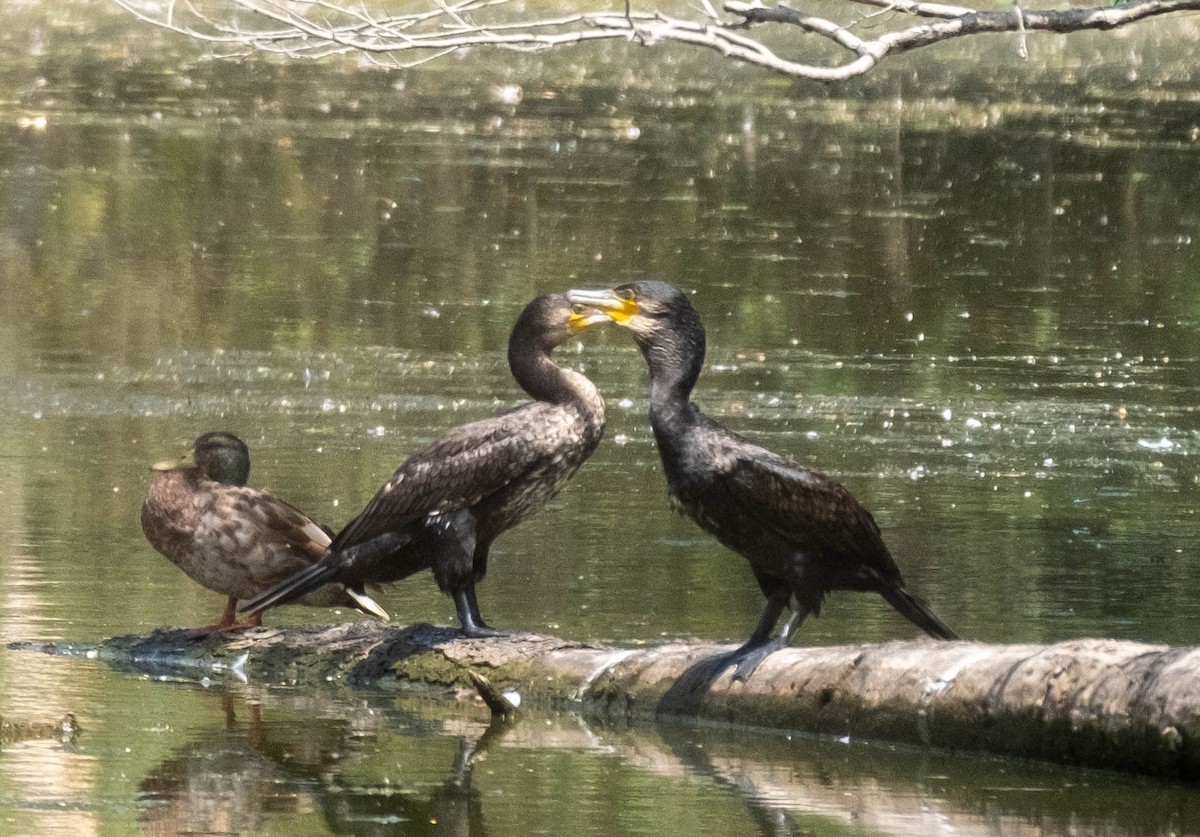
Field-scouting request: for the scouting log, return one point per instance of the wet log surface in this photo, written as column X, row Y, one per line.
column 1090, row 702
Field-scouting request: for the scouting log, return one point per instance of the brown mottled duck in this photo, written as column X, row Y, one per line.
column 234, row 540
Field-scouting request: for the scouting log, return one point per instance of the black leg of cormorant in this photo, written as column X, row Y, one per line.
column 760, row 645
column 453, row 551
column 467, row 607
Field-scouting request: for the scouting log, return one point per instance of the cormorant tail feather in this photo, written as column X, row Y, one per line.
column 914, row 609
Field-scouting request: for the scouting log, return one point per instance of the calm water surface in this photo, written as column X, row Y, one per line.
column 973, row 301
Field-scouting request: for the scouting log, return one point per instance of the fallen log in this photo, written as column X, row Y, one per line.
column 1089, row 702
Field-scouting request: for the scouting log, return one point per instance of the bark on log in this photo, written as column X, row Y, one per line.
column 1090, row 702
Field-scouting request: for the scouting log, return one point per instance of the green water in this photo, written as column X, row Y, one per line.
column 970, row 294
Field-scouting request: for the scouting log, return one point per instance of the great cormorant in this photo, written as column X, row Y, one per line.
column 232, row 539
column 445, row 505
column 803, row 533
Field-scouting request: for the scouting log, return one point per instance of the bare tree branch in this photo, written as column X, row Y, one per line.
column 315, row 29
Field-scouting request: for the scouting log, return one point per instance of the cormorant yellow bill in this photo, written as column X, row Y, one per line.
column 620, row 304
column 583, row 316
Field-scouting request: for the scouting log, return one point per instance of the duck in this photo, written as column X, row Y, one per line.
column 232, row 539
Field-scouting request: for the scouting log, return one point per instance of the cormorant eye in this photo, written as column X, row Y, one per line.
column 577, row 308
column 625, row 293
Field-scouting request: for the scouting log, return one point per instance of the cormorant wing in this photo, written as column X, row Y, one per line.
column 456, row 472
column 806, row 507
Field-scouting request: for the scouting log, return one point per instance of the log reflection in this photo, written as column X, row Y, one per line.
column 411, row 768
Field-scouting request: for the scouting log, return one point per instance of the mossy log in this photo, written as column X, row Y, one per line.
column 1090, row 702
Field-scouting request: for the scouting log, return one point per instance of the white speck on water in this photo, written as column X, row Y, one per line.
column 908, row 316
column 625, row 403
column 947, row 414
column 431, row 313
column 1156, row 444
column 92, row 654
column 974, row 423
column 378, row 430
column 620, row 439
column 812, row 434
column 1048, row 462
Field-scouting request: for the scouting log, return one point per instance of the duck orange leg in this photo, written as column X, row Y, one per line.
column 229, row 622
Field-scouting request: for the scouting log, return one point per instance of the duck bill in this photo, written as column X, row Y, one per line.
column 185, row 461
column 616, row 308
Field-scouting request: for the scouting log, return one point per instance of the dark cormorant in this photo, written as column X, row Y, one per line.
column 803, row 533
column 232, row 539
column 445, row 505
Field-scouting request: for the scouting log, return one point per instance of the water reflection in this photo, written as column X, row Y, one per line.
column 252, row 775
column 417, row 768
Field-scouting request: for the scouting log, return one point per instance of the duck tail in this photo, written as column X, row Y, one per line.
column 366, row 604
column 915, row 610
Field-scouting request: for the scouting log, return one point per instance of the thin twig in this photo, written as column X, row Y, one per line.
column 319, row 28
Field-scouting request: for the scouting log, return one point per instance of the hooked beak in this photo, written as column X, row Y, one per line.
column 615, row 308
column 582, row 317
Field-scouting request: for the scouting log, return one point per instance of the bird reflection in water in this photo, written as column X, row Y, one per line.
column 249, row 774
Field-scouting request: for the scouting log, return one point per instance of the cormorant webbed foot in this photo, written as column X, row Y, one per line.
column 747, row 659
column 483, row 632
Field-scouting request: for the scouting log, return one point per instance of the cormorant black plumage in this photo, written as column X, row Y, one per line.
column 445, row 505
column 803, row 533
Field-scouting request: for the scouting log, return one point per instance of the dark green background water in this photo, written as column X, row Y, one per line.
column 966, row 287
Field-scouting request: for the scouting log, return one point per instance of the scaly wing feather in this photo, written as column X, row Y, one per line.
column 468, row 464
column 807, row 507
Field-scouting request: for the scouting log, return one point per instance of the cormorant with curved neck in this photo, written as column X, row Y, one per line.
column 445, row 505
column 232, row 539
column 803, row 533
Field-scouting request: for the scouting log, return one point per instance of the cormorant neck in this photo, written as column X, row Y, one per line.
column 542, row 378
column 675, row 359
